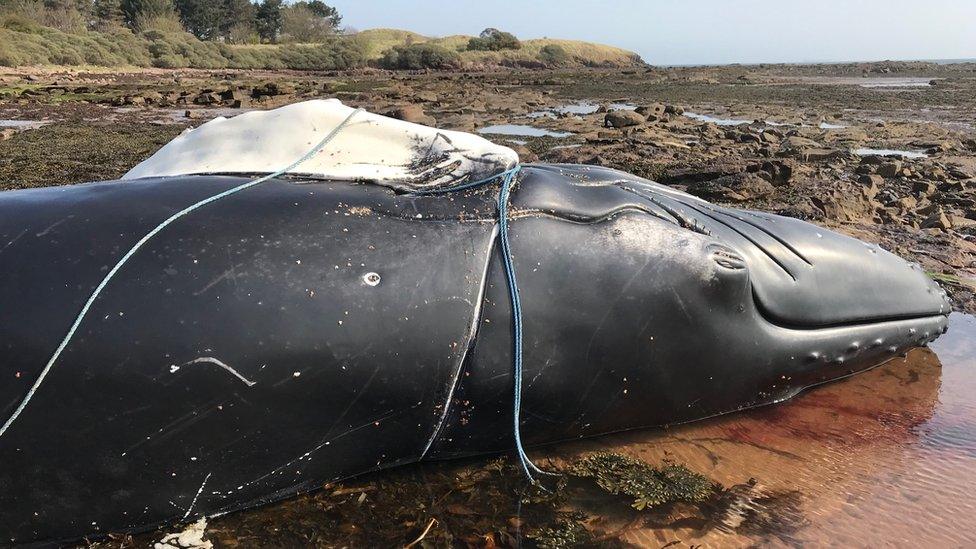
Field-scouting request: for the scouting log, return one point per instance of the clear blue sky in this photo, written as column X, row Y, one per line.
column 703, row 31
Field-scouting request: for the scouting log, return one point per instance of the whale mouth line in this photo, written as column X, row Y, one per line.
column 779, row 322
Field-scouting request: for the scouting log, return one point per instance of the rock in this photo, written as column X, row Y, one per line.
column 206, row 99
column 938, row 220
column 654, row 109
column 890, row 169
column 192, row 115
column 839, row 205
column 849, row 136
column 152, row 97
column 623, row 119
column 817, row 155
column 7, row 134
column 769, row 137
column 525, row 155
column 871, row 184
column 233, row 94
column 696, row 173
column 777, row 172
column 906, row 204
column 797, row 142
column 937, row 173
column 924, row 187
column 960, row 222
column 674, row 109
column 412, row 113
column 872, row 160
column 733, row 188
column 273, row 89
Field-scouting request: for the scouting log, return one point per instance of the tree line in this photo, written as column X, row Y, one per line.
column 230, row 21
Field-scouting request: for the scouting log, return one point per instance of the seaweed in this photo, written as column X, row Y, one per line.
column 648, row 486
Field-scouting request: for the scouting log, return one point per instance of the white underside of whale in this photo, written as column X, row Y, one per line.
column 370, row 147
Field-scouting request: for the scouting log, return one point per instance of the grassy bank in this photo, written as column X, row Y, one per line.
column 23, row 43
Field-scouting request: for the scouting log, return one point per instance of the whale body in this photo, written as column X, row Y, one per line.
column 310, row 329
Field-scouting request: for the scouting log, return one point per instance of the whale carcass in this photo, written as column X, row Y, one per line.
column 247, row 315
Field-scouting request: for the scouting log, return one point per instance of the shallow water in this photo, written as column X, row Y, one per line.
column 717, row 121
column 22, row 124
column 884, row 458
column 906, row 82
column 575, row 108
column 521, row 130
column 890, row 152
column 887, row 457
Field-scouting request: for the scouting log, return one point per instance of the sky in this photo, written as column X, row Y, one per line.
column 675, row 32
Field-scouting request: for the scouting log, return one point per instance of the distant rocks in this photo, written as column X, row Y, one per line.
column 651, row 112
column 623, row 119
column 412, row 113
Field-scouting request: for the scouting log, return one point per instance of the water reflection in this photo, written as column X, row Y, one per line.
column 22, row 124
column 521, row 130
column 887, row 457
column 716, row 121
column 889, row 152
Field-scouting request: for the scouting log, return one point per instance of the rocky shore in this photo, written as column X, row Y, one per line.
column 885, row 152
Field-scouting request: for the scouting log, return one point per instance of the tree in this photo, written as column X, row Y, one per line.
column 106, row 14
column 235, row 16
column 136, row 11
column 321, row 9
column 202, row 18
column 268, row 20
column 492, row 39
column 304, row 22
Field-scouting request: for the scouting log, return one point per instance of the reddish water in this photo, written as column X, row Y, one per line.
column 887, row 457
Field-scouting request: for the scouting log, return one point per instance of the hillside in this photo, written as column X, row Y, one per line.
column 377, row 41
column 25, row 43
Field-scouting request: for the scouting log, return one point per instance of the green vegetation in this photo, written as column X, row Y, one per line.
column 420, row 56
column 494, row 40
column 649, row 486
column 569, row 532
column 269, row 34
column 554, row 55
column 65, row 153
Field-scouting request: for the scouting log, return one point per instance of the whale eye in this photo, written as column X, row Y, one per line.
column 725, row 257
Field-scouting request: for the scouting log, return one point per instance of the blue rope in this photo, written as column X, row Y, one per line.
column 508, row 177
column 111, row 274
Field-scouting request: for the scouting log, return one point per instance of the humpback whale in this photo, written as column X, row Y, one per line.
column 293, row 297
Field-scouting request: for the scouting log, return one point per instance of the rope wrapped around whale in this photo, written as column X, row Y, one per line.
column 507, row 179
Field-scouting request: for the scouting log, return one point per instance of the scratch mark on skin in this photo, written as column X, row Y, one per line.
column 15, row 239
column 52, row 226
column 228, row 273
column 472, row 336
column 211, row 360
column 196, row 497
column 681, row 304
column 606, row 316
column 354, row 400
column 308, row 454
